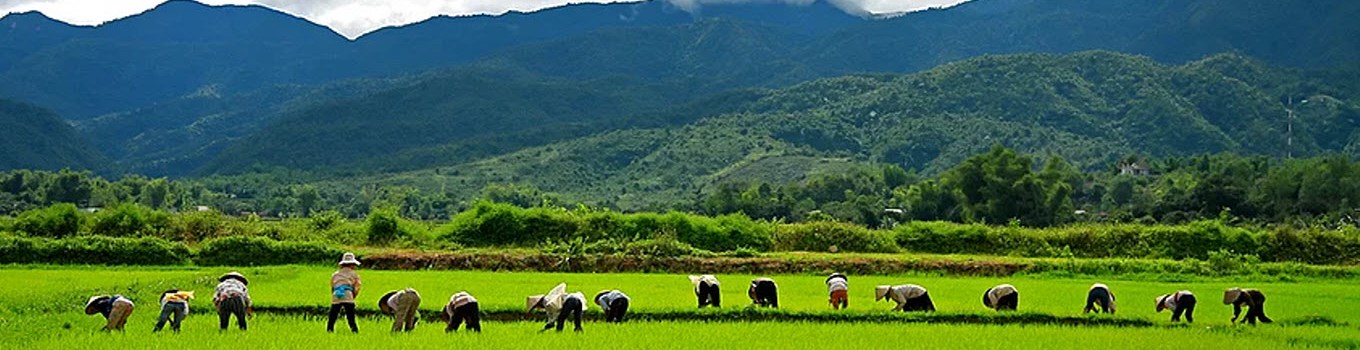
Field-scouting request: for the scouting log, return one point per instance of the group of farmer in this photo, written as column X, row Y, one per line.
column 403, row 305
column 231, row 298
column 911, row 297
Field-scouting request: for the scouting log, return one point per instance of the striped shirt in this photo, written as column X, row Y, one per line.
column 458, row 300
column 836, row 284
column 232, row 288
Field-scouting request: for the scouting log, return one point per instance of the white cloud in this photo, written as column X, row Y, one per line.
column 353, row 18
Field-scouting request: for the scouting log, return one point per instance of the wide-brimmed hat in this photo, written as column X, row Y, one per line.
column 880, row 292
column 601, row 294
column 348, row 259
column 234, row 275
column 382, row 302
column 89, row 305
column 1162, row 301
column 533, row 301
column 837, row 275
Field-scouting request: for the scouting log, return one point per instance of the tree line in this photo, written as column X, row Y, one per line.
column 1000, row 187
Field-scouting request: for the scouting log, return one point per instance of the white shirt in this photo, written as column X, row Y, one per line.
column 900, row 294
column 836, row 284
column 998, row 292
column 1170, row 302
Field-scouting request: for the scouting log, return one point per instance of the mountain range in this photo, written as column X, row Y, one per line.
column 666, row 103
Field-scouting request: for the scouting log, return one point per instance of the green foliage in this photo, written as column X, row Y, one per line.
column 1203, row 240
column 832, row 237
column 56, row 221
column 384, row 226
column 129, row 220
column 263, row 251
column 93, row 250
column 495, row 224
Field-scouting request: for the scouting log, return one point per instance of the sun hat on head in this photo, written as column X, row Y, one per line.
column 348, row 259
column 533, row 301
column 837, row 275
column 1162, row 301
column 234, row 275
column 880, row 292
column 89, row 305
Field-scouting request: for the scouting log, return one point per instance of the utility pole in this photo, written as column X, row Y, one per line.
column 1289, row 142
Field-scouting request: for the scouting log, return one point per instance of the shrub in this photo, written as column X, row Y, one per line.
column 260, row 251
column 129, row 220
column 56, row 221
column 832, row 237
column 325, row 220
column 384, row 226
column 93, row 250
column 198, row 226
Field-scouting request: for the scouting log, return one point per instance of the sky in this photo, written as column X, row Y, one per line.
column 353, row 18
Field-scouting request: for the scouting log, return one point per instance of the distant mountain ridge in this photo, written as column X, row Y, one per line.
column 192, row 89
column 181, row 46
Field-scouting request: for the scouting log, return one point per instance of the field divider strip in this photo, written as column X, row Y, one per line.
column 757, row 315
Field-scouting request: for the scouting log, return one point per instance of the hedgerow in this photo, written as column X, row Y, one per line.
column 93, row 250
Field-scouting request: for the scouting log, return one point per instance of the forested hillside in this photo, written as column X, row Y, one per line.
column 168, row 91
column 1093, row 109
column 35, row 138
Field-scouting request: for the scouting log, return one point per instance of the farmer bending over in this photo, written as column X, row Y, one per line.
column 1253, row 299
column 1181, row 302
column 462, row 307
column 1002, row 297
column 614, row 303
column 764, row 292
column 909, row 297
column 116, row 309
column 706, row 289
column 404, row 307
column 232, row 298
column 174, row 307
column 559, row 306
column 838, row 286
column 1099, row 295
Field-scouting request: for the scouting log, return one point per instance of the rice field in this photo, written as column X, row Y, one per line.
column 41, row 308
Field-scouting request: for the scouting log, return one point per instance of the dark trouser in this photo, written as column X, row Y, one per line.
column 570, row 307
column 767, row 294
column 173, row 312
column 349, row 314
column 470, row 313
column 228, row 307
column 709, row 296
column 1098, row 297
column 1009, row 302
column 921, row 303
column 617, row 309
column 1257, row 312
column 1186, row 305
